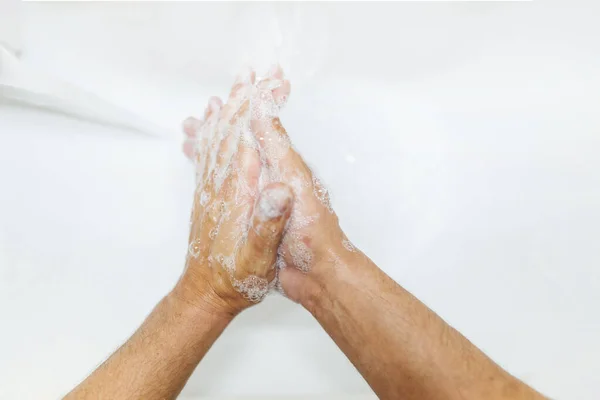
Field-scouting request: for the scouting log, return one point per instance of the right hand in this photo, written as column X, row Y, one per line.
column 236, row 227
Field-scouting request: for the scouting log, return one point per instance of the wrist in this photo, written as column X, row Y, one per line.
column 330, row 273
column 202, row 301
column 188, row 329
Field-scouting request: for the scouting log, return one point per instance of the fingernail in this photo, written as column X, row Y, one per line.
column 274, row 202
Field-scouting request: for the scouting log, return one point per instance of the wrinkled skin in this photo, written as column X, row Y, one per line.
column 313, row 240
column 235, row 231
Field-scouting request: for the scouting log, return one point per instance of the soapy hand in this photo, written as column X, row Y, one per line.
column 236, row 227
column 313, row 242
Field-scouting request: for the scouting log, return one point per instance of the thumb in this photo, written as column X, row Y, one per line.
column 271, row 213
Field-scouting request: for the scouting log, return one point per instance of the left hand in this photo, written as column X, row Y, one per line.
column 235, row 231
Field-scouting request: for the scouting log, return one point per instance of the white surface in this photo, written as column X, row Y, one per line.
column 24, row 85
column 460, row 142
column 10, row 23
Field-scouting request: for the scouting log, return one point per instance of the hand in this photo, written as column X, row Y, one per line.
column 235, row 232
column 313, row 240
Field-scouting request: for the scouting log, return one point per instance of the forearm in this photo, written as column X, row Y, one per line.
column 401, row 347
column 159, row 358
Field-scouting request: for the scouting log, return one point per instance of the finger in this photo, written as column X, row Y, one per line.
column 215, row 212
column 217, row 182
column 203, row 199
column 191, row 126
column 235, row 109
column 229, row 145
column 282, row 91
column 243, row 80
column 271, row 213
column 189, row 148
column 209, row 128
column 208, row 209
column 236, row 194
column 213, row 107
column 273, row 140
column 275, row 145
column 221, row 170
column 246, row 167
column 281, row 94
column 240, row 92
column 208, row 218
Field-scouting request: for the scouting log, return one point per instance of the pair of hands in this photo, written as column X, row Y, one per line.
column 260, row 219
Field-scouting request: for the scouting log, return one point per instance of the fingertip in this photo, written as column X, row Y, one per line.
column 191, row 125
column 242, row 80
column 215, row 103
column 213, row 107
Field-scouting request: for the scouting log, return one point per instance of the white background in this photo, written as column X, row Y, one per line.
column 460, row 141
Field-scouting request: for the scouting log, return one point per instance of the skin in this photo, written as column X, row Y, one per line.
column 401, row 347
column 157, row 360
